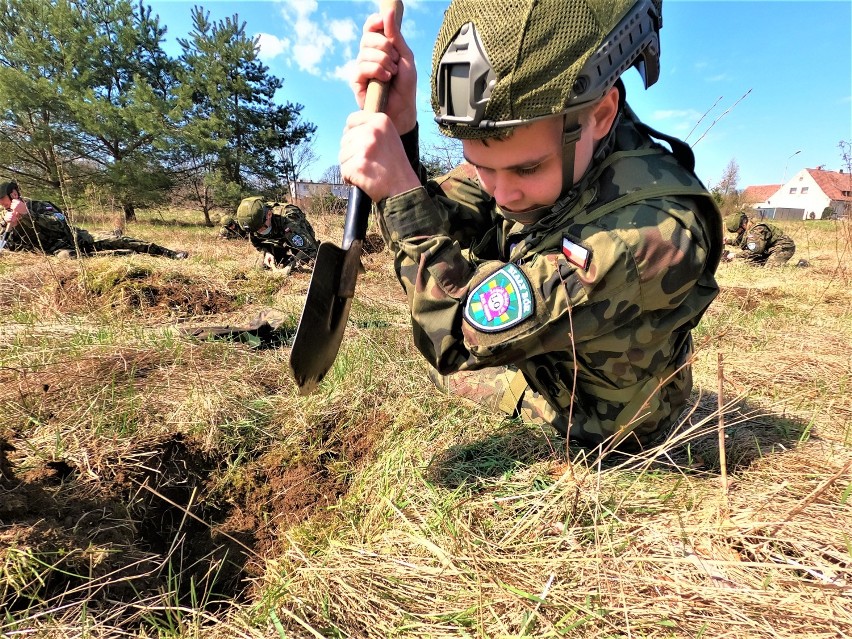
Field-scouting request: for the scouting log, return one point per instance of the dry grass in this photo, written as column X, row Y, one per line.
column 152, row 485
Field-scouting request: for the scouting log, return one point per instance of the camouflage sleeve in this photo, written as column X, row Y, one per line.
column 630, row 284
column 460, row 211
column 757, row 239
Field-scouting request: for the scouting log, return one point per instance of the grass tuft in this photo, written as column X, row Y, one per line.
column 153, row 484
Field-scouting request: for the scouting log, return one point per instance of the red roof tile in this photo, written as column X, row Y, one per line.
column 761, row 193
column 833, row 183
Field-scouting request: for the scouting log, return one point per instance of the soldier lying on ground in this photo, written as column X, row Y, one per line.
column 558, row 274
column 759, row 243
column 40, row 227
column 231, row 229
column 281, row 232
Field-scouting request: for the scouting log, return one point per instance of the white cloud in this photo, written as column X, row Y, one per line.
column 316, row 39
column 678, row 121
column 343, row 31
column 271, row 46
column 318, row 44
column 345, row 72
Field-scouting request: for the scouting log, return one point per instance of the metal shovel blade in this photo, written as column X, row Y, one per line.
column 323, row 321
column 329, row 299
column 332, row 286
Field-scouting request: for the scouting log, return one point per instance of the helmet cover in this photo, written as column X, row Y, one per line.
column 514, row 61
column 734, row 221
column 251, row 213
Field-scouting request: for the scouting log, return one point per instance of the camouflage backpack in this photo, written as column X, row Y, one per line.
column 45, row 229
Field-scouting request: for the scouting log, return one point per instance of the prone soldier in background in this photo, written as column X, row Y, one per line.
column 758, row 243
column 230, row 229
column 281, row 233
column 41, row 227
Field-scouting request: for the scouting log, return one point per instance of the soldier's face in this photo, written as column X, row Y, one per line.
column 267, row 224
column 522, row 172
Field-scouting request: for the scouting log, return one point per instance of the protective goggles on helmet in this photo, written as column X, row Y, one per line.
column 465, row 77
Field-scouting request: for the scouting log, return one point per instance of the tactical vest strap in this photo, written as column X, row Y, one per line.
column 680, row 149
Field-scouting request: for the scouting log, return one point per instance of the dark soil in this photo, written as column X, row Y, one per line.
column 151, row 516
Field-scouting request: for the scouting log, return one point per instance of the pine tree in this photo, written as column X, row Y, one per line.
column 232, row 130
column 84, row 92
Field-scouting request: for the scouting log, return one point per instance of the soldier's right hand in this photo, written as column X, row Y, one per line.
column 372, row 158
column 384, row 56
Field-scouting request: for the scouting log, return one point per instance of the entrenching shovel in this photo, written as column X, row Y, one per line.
column 332, row 286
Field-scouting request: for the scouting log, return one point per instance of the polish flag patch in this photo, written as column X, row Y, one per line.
column 577, row 255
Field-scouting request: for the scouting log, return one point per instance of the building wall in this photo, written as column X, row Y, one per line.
column 800, row 192
column 301, row 191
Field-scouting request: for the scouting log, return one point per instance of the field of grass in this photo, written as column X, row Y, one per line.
column 156, row 485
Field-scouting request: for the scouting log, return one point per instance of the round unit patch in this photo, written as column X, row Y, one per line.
column 297, row 240
column 501, row 301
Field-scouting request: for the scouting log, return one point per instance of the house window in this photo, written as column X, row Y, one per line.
column 846, row 193
column 805, row 189
column 792, row 190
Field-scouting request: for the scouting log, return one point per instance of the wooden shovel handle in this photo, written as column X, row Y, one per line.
column 377, row 92
column 358, row 210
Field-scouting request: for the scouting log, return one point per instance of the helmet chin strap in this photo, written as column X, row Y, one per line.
column 570, row 135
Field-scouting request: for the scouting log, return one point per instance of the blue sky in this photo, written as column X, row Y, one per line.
column 792, row 60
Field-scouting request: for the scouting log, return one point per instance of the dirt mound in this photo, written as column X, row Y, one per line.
column 120, row 536
column 277, row 491
column 141, row 288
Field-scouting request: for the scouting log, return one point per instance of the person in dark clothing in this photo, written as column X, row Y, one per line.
column 281, row 232
column 41, row 227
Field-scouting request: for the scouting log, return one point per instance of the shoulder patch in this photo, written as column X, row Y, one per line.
column 576, row 254
column 501, row 301
column 297, row 240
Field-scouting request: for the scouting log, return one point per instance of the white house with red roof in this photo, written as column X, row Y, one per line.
column 758, row 196
column 805, row 196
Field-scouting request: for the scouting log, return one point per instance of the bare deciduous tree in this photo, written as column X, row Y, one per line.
column 332, row 175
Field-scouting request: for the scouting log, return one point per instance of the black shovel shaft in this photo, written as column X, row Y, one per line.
column 354, row 232
column 332, row 287
column 357, row 217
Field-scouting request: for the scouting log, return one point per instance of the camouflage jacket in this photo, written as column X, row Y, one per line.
column 593, row 303
column 291, row 237
column 45, row 229
column 761, row 238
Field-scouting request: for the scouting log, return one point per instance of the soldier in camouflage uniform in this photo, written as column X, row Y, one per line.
column 557, row 274
column 759, row 243
column 40, row 227
column 230, row 229
column 281, row 232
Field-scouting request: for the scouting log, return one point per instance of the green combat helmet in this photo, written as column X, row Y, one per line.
column 230, row 229
column 251, row 213
column 734, row 221
column 498, row 64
